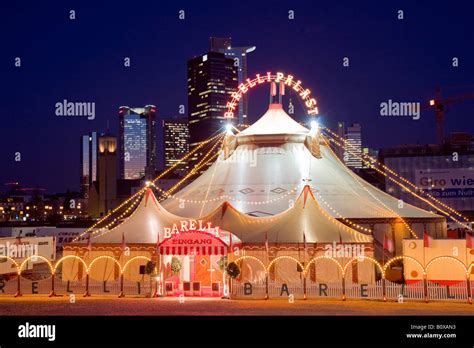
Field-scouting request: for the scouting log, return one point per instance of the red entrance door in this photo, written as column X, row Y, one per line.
column 207, row 269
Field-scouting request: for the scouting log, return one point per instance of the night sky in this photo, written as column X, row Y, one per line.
column 82, row 60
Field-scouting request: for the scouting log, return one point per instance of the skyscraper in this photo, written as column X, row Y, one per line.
column 341, row 132
column 103, row 192
column 239, row 56
column 107, row 170
column 88, row 162
column 175, row 143
column 353, row 147
column 137, row 142
column 212, row 78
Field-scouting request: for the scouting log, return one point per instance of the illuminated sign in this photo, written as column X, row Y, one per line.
column 286, row 80
column 190, row 225
column 193, row 242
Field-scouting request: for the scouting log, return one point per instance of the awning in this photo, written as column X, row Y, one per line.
column 193, row 243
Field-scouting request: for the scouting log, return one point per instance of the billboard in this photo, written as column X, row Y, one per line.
column 446, row 183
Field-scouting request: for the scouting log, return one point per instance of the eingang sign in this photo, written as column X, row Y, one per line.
column 193, row 242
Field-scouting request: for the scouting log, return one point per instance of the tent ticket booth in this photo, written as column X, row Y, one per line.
column 192, row 263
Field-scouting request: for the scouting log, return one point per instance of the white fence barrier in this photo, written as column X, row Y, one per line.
column 255, row 290
column 44, row 286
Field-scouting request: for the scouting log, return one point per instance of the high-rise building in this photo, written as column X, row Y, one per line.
column 175, row 143
column 239, row 56
column 137, row 142
column 341, row 133
column 212, row 77
column 88, row 162
column 353, row 146
column 103, row 192
column 444, row 171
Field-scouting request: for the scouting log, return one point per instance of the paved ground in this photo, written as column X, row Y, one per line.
column 41, row 305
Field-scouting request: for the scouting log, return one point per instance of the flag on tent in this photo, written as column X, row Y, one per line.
column 469, row 240
column 89, row 242
column 388, row 243
column 427, row 240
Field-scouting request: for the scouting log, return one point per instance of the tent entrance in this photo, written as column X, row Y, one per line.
column 192, row 264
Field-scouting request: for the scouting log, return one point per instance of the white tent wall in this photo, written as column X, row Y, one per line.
column 105, row 269
column 285, row 270
column 445, row 269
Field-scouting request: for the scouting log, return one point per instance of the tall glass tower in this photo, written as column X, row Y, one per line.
column 175, row 143
column 88, row 160
column 137, row 142
column 353, row 147
column 239, row 56
column 212, row 78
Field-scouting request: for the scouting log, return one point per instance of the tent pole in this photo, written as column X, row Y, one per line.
column 344, row 287
column 266, row 286
column 384, row 289
column 87, row 293
column 304, row 287
column 121, row 287
column 52, row 293
column 425, row 287
column 468, row 283
column 18, row 289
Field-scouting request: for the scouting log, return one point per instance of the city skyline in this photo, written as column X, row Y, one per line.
column 210, row 160
column 52, row 163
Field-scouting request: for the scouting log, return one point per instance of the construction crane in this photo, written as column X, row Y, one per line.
column 440, row 103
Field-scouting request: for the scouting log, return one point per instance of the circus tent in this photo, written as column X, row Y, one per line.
column 304, row 217
column 281, row 165
column 278, row 190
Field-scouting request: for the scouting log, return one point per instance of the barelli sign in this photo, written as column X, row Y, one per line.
column 190, row 225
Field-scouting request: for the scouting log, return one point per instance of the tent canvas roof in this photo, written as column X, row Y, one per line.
column 142, row 226
column 274, row 121
column 262, row 180
column 150, row 218
column 304, row 217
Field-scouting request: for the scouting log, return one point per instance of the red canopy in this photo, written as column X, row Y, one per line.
column 193, row 242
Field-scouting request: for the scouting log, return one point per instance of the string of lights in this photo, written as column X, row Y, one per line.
column 376, row 198
column 372, row 160
column 226, row 198
column 401, row 185
column 120, row 217
column 202, row 162
column 143, row 189
column 352, row 224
